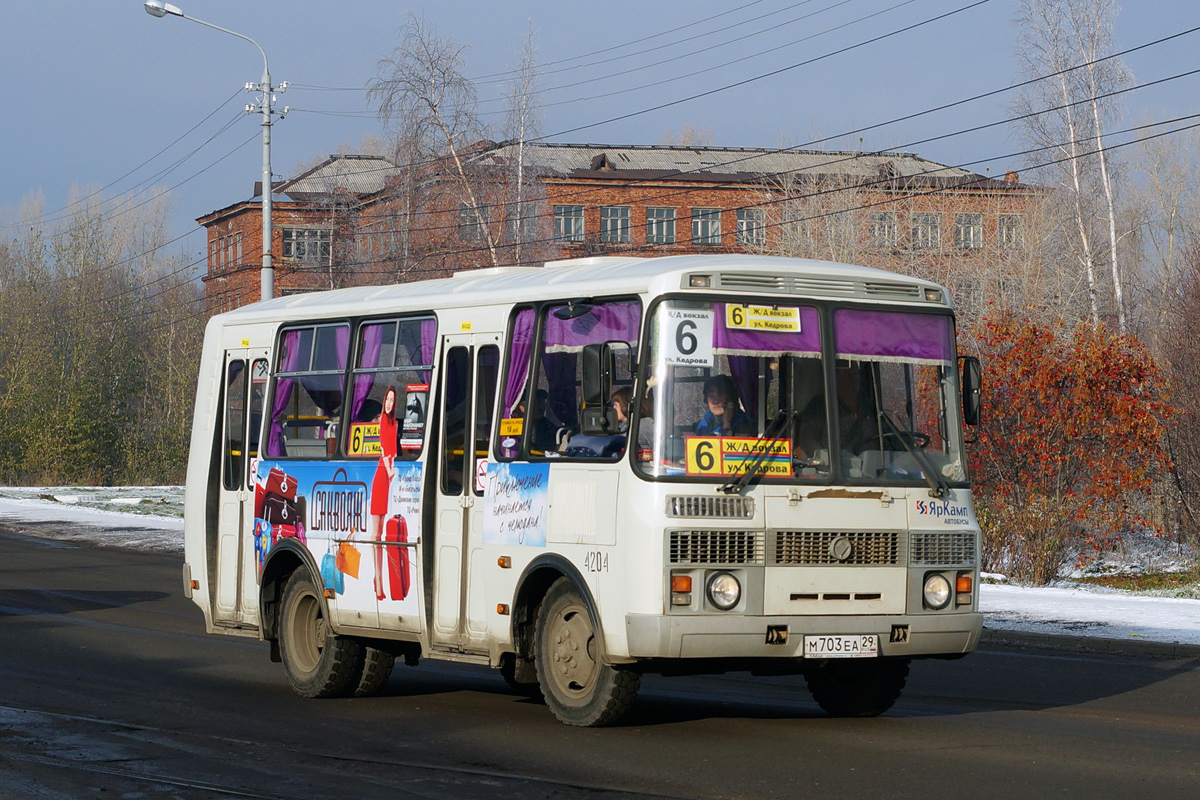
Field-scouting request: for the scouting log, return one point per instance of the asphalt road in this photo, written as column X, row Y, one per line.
column 110, row 689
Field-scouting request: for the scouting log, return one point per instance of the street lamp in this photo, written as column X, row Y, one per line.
column 158, row 8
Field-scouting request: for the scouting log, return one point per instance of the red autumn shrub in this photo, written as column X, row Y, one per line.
column 1071, row 442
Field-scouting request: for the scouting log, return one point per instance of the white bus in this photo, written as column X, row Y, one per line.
column 587, row 471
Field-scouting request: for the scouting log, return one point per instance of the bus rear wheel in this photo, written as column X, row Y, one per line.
column 377, row 668
column 317, row 662
column 578, row 686
column 856, row 687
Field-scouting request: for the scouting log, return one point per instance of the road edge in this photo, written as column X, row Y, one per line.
column 1088, row 644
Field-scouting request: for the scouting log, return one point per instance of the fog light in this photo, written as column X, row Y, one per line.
column 724, row 591
column 937, row 590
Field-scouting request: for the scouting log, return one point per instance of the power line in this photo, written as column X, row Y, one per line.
column 48, row 216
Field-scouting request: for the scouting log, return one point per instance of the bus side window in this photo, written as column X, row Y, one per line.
column 566, row 421
column 456, row 383
column 258, row 396
column 310, row 385
column 235, row 423
column 487, row 370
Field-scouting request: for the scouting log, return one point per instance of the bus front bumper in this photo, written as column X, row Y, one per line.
column 711, row 636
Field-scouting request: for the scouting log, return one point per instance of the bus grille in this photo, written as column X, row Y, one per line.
column 711, row 507
column 716, row 547
column 942, row 549
column 816, row 548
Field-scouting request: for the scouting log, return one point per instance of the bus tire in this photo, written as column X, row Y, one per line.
column 856, row 687
column 377, row 668
column 318, row 663
column 578, row 686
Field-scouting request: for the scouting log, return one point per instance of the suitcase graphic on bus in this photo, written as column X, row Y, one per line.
column 396, row 530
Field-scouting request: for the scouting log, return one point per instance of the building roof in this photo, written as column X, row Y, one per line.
column 721, row 163
column 355, row 174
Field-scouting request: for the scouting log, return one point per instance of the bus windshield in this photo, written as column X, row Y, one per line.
column 798, row 393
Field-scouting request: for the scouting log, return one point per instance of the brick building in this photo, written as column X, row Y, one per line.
column 361, row 219
column 305, row 212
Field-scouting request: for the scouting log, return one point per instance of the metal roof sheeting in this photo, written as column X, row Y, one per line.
column 564, row 159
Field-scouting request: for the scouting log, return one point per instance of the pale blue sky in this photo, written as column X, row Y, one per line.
column 93, row 88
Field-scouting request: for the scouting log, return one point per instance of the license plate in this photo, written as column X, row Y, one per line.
column 864, row 645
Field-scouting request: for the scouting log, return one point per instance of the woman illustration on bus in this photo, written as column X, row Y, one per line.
column 724, row 416
column 381, row 483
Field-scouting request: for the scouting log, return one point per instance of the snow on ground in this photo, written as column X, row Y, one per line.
column 151, row 518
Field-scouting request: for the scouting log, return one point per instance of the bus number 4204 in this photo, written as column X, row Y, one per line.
column 595, row 561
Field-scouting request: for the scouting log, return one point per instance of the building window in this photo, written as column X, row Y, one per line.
column 238, row 260
column 926, row 231
column 307, row 244
column 968, row 231
column 968, row 296
column 706, row 226
column 660, row 226
column 1012, row 231
column 614, row 224
column 213, row 263
column 568, row 223
column 470, row 229
column 751, row 227
column 884, row 230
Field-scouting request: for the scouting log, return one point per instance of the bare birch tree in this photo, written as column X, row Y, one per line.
column 522, row 125
column 427, row 102
column 1061, row 41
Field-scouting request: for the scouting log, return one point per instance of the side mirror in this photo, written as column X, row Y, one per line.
column 596, row 418
column 597, row 374
column 972, row 397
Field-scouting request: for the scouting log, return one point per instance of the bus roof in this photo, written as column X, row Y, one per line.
column 602, row 276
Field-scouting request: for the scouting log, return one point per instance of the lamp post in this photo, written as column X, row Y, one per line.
column 158, row 8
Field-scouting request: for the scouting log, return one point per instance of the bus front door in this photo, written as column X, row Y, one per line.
column 470, row 368
column 236, row 600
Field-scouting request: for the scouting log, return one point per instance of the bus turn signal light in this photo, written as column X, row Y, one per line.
column 505, row 562
column 963, row 584
column 681, row 583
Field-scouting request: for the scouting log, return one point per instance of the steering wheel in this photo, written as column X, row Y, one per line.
column 922, row 440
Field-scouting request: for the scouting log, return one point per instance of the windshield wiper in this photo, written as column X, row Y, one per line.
column 781, row 421
column 938, row 486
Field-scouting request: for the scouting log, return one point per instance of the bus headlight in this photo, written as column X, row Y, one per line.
column 937, row 590
column 724, row 591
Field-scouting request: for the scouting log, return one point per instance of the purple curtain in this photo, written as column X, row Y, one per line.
column 606, row 322
column 893, row 336
column 283, row 393
column 744, row 370
column 518, row 360
column 372, row 338
column 737, row 341
column 518, row 368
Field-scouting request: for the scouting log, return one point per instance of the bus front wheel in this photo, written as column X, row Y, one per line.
column 578, row 687
column 856, row 687
column 318, row 663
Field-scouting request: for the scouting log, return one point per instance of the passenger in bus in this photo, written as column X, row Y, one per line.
column 724, row 416
column 381, row 483
column 855, row 420
column 622, row 400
